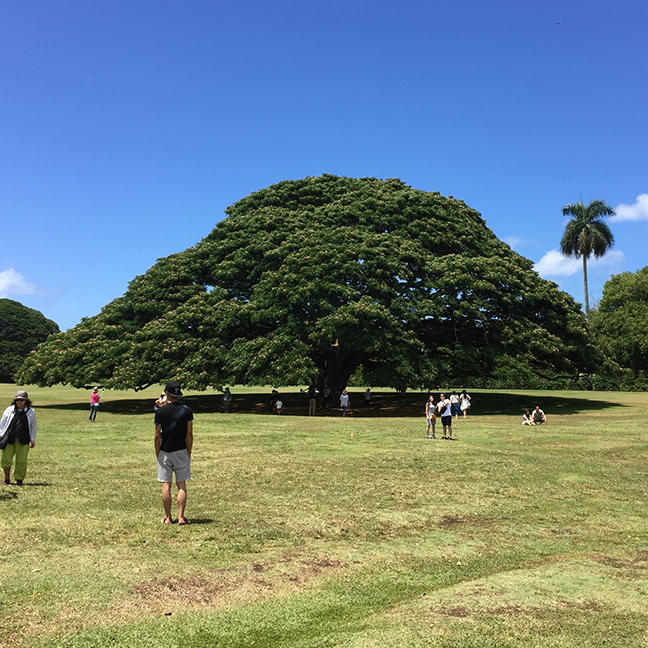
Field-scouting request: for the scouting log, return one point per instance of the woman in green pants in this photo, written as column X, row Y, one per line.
column 20, row 420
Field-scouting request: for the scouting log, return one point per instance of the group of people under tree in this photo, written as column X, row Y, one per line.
column 446, row 408
column 277, row 405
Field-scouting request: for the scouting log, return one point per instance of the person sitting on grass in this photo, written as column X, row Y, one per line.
column 539, row 416
column 527, row 419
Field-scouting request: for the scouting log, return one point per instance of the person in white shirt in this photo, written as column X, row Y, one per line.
column 539, row 417
column 454, row 402
column 464, row 402
column 445, row 408
column 527, row 419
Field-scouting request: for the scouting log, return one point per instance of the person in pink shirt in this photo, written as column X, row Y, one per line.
column 94, row 404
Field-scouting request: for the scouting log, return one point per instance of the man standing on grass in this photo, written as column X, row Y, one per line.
column 227, row 399
column 312, row 400
column 173, row 444
column 445, row 408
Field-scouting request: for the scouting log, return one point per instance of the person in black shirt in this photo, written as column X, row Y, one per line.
column 173, row 445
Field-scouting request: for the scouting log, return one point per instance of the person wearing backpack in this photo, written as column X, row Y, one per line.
column 173, row 445
column 17, row 436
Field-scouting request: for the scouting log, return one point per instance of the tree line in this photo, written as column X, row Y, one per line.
column 326, row 280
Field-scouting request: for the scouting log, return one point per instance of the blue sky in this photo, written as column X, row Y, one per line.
column 128, row 127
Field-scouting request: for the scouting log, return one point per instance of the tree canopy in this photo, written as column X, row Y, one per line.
column 22, row 329
column 586, row 234
column 309, row 280
column 620, row 323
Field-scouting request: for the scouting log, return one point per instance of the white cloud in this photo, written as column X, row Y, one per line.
column 556, row 264
column 514, row 241
column 635, row 212
column 13, row 283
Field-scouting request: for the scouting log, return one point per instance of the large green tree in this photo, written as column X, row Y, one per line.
column 311, row 279
column 586, row 234
column 22, row 329
column 620, row 323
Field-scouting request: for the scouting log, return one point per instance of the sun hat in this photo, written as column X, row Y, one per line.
column 173, row 389
column 21, row 393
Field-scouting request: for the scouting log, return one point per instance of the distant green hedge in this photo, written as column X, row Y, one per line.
column 22, row 329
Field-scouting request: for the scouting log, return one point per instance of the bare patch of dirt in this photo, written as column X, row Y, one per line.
column 508, row 609
column 457, row 611
column 450, row 520
column 193, row 589
column 561, row 531
column 326, row 563
column 583, row 605
column 617, row 563
column 625, row 569
column 286, row 574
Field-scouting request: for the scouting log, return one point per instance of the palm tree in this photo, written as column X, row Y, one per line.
column 587, row 234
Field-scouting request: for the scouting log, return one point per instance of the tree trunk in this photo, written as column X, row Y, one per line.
column 338, row 367
column 586, row 291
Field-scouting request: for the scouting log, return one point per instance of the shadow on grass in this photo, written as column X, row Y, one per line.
column 384, row 404
column 8, row 495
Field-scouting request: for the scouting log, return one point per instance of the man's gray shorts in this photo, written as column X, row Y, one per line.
column 177, row 461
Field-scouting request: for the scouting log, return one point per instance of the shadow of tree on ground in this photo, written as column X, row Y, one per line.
column 383, row 404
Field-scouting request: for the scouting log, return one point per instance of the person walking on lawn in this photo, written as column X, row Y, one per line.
column 19, row 423
column 173, row 445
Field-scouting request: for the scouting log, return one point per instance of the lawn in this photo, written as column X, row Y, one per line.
column 324, row 531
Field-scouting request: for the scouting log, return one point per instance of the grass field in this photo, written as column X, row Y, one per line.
column 323, row 531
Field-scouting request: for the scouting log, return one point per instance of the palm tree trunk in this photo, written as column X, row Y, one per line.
column 586, row 290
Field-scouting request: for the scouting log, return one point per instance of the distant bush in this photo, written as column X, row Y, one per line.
column 22, row 329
